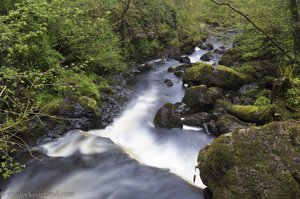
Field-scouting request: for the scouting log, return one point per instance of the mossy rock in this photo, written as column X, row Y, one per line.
column 258, row 162
column 249, row 113
column 219, row 76
column 166, row 117
column 228, row 123
column 201, row 98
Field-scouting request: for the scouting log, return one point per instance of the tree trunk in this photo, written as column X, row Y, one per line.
column 296, row 27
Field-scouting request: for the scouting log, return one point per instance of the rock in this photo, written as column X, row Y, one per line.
column 227, row 60
column 220, row 51
column 182, row 67
column 185, row 60
column 179, row 73
column 201, row 98
column 168, row 82
column 188, row 49
column 202, row 46
column 182, row 110
column 166, row 117
column 249, row 113
column 171, row 70
column 207, row 56
column 228, row 123
column 209, row 46
column 219, row 76
column 197, row 119
column 145, row 67
column 222, row 47
column 211, row 127
column 258, row 162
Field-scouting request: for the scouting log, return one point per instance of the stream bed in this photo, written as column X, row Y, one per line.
column 129, row 159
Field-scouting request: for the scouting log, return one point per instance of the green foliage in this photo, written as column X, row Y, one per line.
column 293, row 93
column 262, row 102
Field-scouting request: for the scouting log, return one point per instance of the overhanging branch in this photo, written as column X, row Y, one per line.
column 257, row 28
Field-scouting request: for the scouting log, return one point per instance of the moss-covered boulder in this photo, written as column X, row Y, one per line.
column 219, row 76
column 166, row 117
column 250, row 113
column 201, row 98
column 227, row 123
column 259, row 162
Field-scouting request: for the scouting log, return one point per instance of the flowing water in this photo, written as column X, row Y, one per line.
column 130, row 159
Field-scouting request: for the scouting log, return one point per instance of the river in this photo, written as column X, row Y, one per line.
column 130, row 159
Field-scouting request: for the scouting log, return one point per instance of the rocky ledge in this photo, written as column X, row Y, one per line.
column 258, row 162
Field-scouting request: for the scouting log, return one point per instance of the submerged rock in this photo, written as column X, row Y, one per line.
column 168, row 82
column 259, row 162
column 166, row 117
column 220, row 76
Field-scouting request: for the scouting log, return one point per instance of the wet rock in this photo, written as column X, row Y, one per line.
column 166, row 117
column 222, row 47
column 258, row 162
column 145, row 67
column 220, row 51
column 207, row 57
column 179, row 73
column 209, row 46
column 202, row 46
column 197, row 119
column 182, row 110
column 188, row 49
column 185, row 60
column 220, row 76
column 168, row 82
column 201, row 98
column 171, row 70
column 182, row 67
column 211, row 127
column 228, row 123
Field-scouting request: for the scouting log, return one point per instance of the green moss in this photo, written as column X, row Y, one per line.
column 89, row 103
column 220, row 76
column 262, row 102
column 262, row 162
column 250, row 93
column 264, row 93
column 82, row 84
column 251, row 113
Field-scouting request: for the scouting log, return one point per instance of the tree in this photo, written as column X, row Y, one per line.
column 294, row 6
column 273, row 41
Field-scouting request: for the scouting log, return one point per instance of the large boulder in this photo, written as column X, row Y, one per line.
column 200, row 98
column 228, row 123
column 250, row 113
column 259, row 162
column 220, row 76
column 166, row 117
